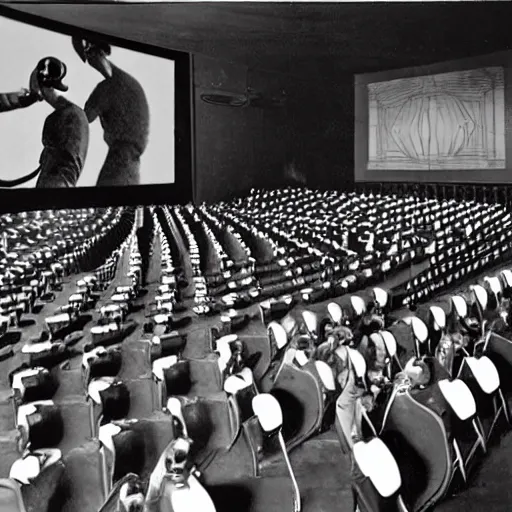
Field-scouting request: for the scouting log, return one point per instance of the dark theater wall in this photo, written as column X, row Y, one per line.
column 240, row 148
column 322, row 120
column 236, row 148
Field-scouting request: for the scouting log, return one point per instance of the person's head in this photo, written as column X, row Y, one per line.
column 46, row 78
column 94, row 53
column 418, row 372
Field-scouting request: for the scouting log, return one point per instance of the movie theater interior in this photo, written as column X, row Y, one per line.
column 263, row 258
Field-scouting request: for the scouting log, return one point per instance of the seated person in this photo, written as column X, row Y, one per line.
column 417, row 372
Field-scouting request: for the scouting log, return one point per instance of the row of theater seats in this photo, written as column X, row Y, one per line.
column 120, row 387
column 33, row 265
column 271, row 244
column 50, row 415
column 206, row 402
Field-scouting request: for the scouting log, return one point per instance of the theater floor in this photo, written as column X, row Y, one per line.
column 321, row 469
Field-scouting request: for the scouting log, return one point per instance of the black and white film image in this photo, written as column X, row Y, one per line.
column 442, row 121
column 78, row 113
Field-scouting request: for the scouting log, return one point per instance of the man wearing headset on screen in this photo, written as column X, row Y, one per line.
column 122, row 107
column 65, row 133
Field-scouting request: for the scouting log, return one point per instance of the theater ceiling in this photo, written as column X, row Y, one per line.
column 323, row 39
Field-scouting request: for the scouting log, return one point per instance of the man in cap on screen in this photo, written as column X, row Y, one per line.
column 122, row 107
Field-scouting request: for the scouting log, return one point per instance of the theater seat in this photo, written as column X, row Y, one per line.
column 378, row 464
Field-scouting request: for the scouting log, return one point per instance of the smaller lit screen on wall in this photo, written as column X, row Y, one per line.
column 445, row 121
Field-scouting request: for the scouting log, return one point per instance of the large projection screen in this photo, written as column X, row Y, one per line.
column 21, row 130
column 436, row 123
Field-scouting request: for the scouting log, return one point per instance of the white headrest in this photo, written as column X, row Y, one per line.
column 24, row 470
column 358, row 304
column 106, row 434
column 310, row 320
column 460, row 305
column 378, row 464
column 111, row 308
column 419, row 328
column 326, row 375
column 224, row 351
column 235, row 383
column 358, row 362
column 480, row 294
column 161, row 319
column 25, row 410
column 494, row 284
column 301, row 357
column 458, row 395
column 381, row 296
column 307, row 291
column 289, row 356
column 76, row 297
column 91, row 355
column 174, row 407
column 266, row 304
column 507, row 274
column 335, row 312
column 98, row 385
column 247, row 375
column 168, row 306
column 439, row 318
column 190, row 497
column 37, row 348
column 378, row 340
column 56, row 319
column 268, row 411
column 99, row 329
column 162, row 364
column 168, row 280
column 119, row 297
column 156, row 340
column 228, row 338
column 390, row 342
column 166, row 297
column 279, row 333
column 485, row 373
column 81, row 283
column 19, row 376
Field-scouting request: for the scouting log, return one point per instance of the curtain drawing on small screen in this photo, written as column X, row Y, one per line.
column 446, row 121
